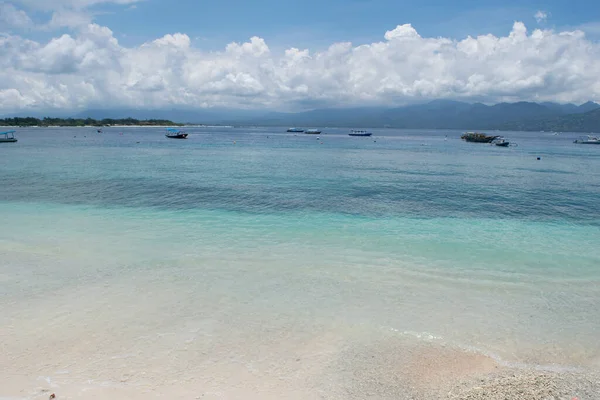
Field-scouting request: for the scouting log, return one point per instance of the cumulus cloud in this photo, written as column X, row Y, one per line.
column 90, row 68
column 67, row 18
column 541, row 16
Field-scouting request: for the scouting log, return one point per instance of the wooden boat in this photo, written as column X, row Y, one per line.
column 477, row 137
column 8, row 137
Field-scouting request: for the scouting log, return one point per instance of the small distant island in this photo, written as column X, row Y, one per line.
column 79, row 122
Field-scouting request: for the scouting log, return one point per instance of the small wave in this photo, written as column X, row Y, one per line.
column 432, row 338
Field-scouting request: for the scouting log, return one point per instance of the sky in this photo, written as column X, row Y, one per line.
column 293, row 55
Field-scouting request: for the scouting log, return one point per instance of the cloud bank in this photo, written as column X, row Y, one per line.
column 90, row 68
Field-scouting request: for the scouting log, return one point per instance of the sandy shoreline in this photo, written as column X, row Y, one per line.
column 503, row 384
column 322, row 367
column 131, row 337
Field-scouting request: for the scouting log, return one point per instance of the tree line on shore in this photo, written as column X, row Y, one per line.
column 31, row 121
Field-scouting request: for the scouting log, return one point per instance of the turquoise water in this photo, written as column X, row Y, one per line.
column 410, row 232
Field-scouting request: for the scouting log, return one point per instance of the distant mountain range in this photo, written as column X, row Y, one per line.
column 578, row 122
column 443, row 114
column 437, row 114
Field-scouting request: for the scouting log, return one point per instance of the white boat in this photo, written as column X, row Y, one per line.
column 588, row 140
column 8, row 137
column 295, row 130
column 312, row 132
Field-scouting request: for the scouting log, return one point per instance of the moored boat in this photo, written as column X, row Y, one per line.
column 295, row 130
column 312, row 132
column 359, row 133
column 501, row 142
column 587, row 140
column 477, row 137
column 8, row 137
column 175, row 134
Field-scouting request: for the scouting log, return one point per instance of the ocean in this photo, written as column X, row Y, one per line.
column 253, row 263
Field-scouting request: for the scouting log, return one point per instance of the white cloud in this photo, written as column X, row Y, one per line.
column 69, row 19
column 90, row 68
column 12, row 17
column 541, row 16
column 402, row 31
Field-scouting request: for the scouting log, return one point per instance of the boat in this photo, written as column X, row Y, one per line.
column 176, row 134
column 588, row 140
column 501, row 142
column 295, row 130
column 312, row 132
column 359, row 133
column 8, row 137
column 477, row 137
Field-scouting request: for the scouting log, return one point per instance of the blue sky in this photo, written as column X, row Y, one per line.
column 317, row 23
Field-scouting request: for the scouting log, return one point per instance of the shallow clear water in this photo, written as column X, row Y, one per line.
column 412, row 233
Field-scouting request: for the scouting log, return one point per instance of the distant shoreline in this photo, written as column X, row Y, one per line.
column 29, row 122
column 120, row 126
column 175, row 125
column 273, row 126
column 190, row 125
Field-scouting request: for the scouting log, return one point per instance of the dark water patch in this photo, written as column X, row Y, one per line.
column 546, row 171
column 443, row 199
